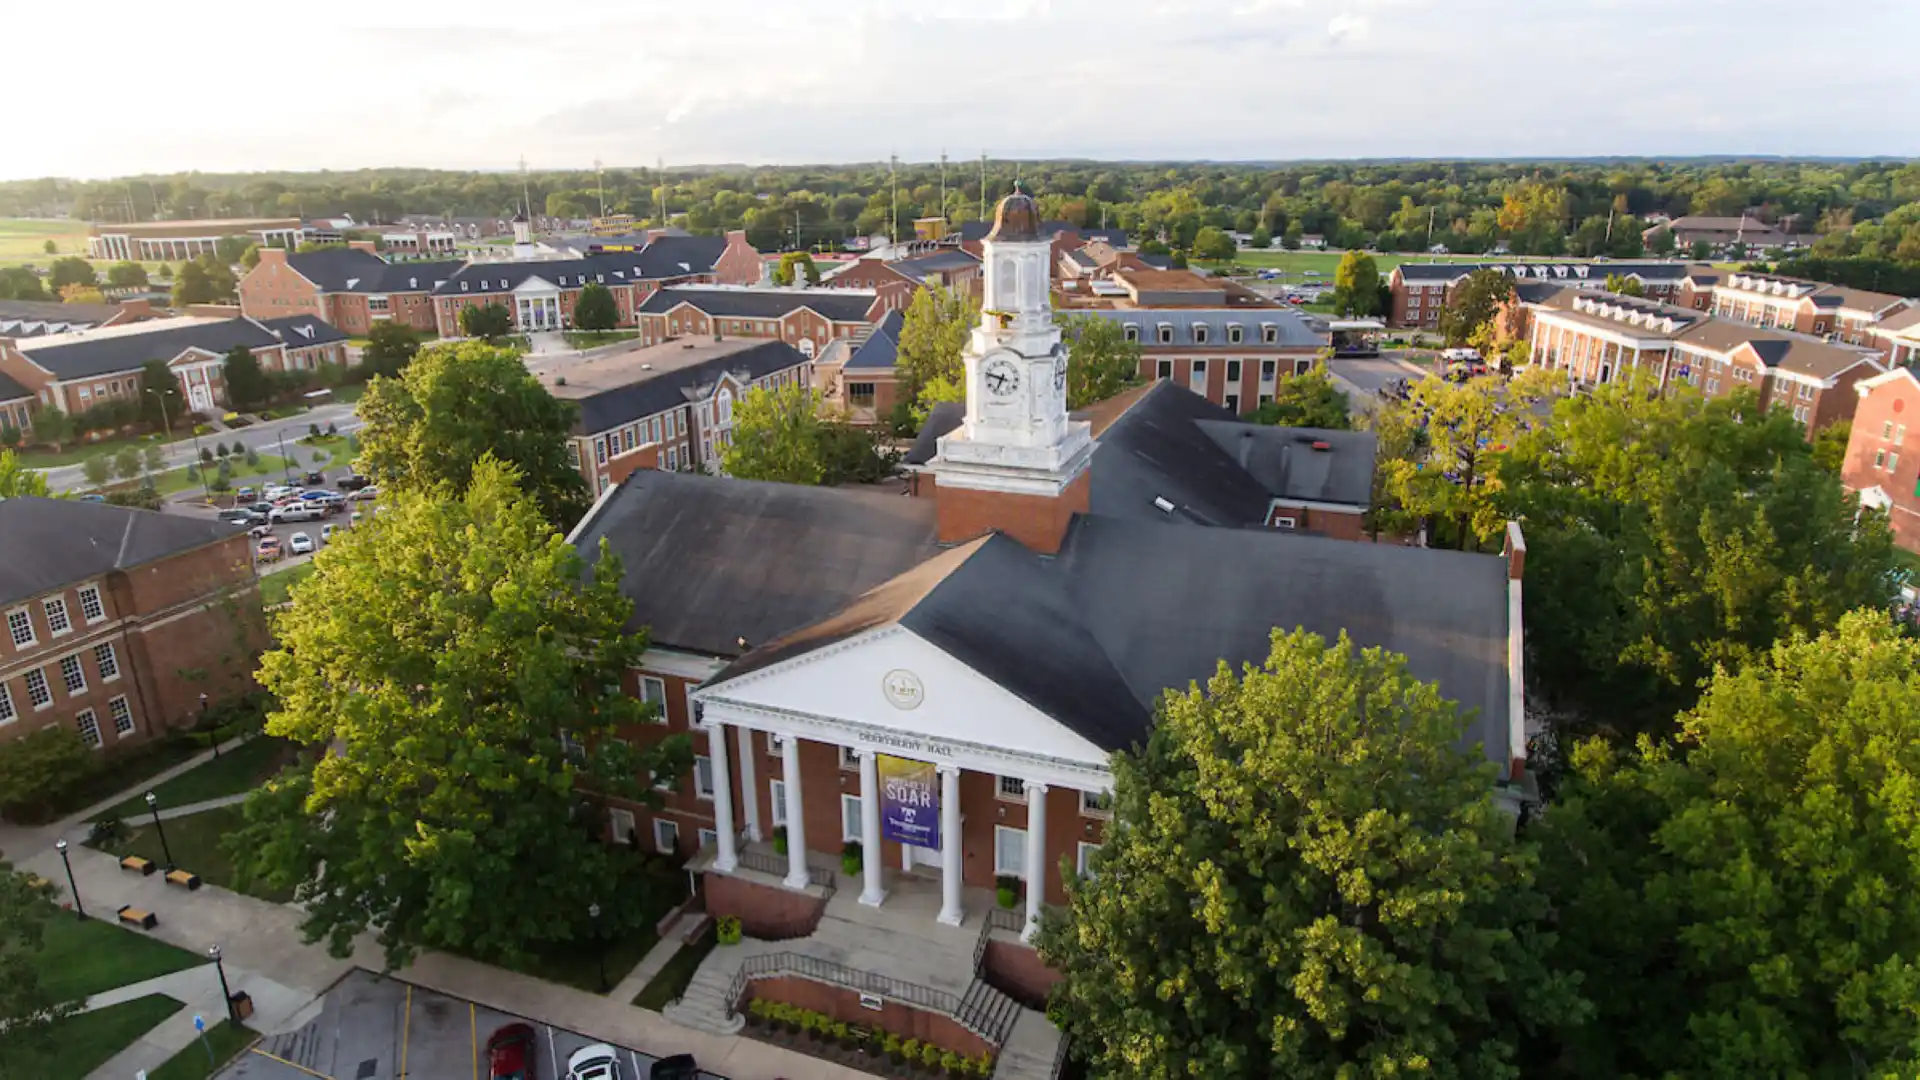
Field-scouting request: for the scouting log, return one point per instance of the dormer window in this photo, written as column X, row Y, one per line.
column 1269, row 334
column 1131, row 332
column 1234, row 334
column 1166, row 333
column 1199, row 333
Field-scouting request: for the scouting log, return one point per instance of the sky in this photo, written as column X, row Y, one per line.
column 479, row 84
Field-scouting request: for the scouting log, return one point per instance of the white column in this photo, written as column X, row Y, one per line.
column 872, row 892
column 1036, row 856
column 749, row 786
column 722, row 797
column 797, row 877
column 951, row 912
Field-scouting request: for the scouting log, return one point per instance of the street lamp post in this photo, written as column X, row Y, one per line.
column 153, row 804
column 599, row 949
column 226, row 995
column 203, row 723
column 286, row 465
column 79, row 909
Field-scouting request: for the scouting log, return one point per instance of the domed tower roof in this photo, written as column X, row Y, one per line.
column 1017, row 218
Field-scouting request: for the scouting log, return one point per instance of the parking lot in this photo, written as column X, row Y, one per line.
column 192, row 507
column 373, row 1028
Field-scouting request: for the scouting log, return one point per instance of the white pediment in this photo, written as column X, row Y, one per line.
column 536, row 284
column 892, row 690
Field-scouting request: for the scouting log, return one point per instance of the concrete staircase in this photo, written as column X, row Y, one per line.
column 1030, row 1051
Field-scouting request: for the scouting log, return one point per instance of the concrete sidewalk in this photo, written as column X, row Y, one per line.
column 198, row 991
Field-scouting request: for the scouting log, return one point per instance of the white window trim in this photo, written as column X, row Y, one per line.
column 80, row 721
column 648, row 681
column 777, row 790
column 703, row 789
column 849, row 759
column 708, row 838
column 1000, row 789
column 123, row 705
column 1001, row 837
column 850, row 819
column 1089, row 808
column 8, row 713
column 106, row 648
column 1084, row 852
column 775, row 743
column 33, row 636
column 80, row 666
column 666, row 836
column 45, row 684
column 621, row 836
column 99, row 601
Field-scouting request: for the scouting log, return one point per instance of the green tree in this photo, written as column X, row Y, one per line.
column 1473, row 305
column 127, row 275
column 1101, row 362
column 161, row 402
column 488, row 322
column 594, row 310
column 81, row 294
column 126, row 463
column 1625, row 286
column 20, row 283
column 50, row 248
column 250, row 258
column 457, row 403
column 465, row 669
column 153, row 458
column 1306, row 876
column 1356, row 284
column 17, row 480
column 794, row 266
column 28, row 1009
column 1261, row 239
column 854, row 455
column 1214, row 244
column 71, row 270
column 1745, row 900
column 391, row 346
column 1309, row 400
column 1830, row 445
column 776, row 436
column 248, row 387
column 932, row 337
column 36, row 769
column 50, row 425
column 1669, row 534
column 1701, row 251
column 230, row 249
column 1660, row 242
column 192, row 285
column 1469, row 427
column 98, row 469
column 220, row 280
column 932, row 394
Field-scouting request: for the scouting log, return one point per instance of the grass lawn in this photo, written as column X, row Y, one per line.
column 277, row 587
column 348, row 393
column 40, row 457
column 227, row 1041
column 195, row 843
column 234, row 771
column 673, row 979
column 79, row 957
column 587, row 339
column 117, row 774
column 175, row 480
column 517, row 341
column 578, row 964
column 83, row 1043
column 25, row 239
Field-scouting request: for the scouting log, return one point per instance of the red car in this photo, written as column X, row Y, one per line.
column 511, row 1053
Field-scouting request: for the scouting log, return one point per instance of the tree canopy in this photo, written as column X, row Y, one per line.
column 1306, row 876
column 72, row 270
column 1447, row 477
column 595, row 310
column 794, row 267
column 1357, row 285
column 467, row 670
column 248, row 387
column 932, row 338
column 16, row 479
column 1473, row 304
column 488, row 322
column 27, row 1008
column 127, row 275
column 391, row 346
column 1307, row 400
column 776, row 436
column 1101, row 362
column 1744, row 900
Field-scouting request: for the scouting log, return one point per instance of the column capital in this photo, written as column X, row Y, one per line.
column 1035, row 787
column 947, row 769
column 864, row 753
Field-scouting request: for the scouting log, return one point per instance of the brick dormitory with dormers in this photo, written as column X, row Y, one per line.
column 118, row 621
column 940, row 674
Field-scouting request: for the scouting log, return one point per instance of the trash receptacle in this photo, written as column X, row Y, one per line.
column 242, row 1005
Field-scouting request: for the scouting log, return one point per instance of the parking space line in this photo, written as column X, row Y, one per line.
column 473, row 1032
column 634, row 1057
column 289, row 1064
column 406, row 1026
column 553, row 1052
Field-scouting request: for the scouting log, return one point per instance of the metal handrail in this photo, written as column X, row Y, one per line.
column 980, row 946
column 1059, row 1059
column 826, row 971
column 999, row 918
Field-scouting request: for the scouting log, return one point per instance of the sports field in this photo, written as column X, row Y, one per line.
column 23, row 240
column 1297, row 264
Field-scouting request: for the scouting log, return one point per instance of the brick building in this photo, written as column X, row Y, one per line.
column 1808, row 307
column 1898, row 335
column 1221, row 340
column 37, row 318
column 351, row 288
column 540, row 293
column 676, row 397
column 1601, row 339
column 1721, row 233
column 118, row 620
column 1063, row 237
column 76, row 371
column 1420, row 291
column 1882, row 466
column 856, row 374
column 807, row 319
column 175, row 241
column 982, row 648
column 895, row 280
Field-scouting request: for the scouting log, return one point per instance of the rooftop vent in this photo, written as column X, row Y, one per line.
column 1162, row 505
column 1322, row 446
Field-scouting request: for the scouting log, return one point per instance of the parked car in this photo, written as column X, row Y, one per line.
column 352, row 482
column 300, row 544
column 260, row 532
column 327, row 531
column 513, row 1053
column 269, row 549
column 354, row 518
column 596, row 1062
column 245, row 493
column 261, row 508
column 296, row 511
column 243, row 516
column 314, row 478
column 365, row 493
column 275, row 492
column 320, row 496
column 93, row 498
column 677, row 1067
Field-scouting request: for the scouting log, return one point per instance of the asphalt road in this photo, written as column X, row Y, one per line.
column 265, row 437
column 370, row 1027
column 1369, row 376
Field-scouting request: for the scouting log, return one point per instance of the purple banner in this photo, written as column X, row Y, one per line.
column 909, row 801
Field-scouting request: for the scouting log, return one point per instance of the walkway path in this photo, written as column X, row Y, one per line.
column 264, row 437
column 649, row 966
column 198, row 991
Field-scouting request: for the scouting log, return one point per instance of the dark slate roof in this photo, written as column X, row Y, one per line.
column 977, row 230
column 709, row 560
column 127, row 351
column 301, row 331
column 55, row 542
column 667, row 257
column 944, row 417
column 12, row 391
column 1284, row 460
column 1432, row 273
column 918, row 267
column 351, row 270
column 1292, row 329
column 1157, row 449
column 882, row 347
column 35, row 317
column 1081, row 258
column 837, row 305
column 1158, row 262
column 1169, row 602
column 664, row 389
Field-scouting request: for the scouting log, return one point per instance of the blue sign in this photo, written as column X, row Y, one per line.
column 199, row 1022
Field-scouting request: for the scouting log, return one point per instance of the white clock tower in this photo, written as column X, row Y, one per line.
column 1016, row 439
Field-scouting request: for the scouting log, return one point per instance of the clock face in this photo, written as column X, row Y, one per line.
column 1001, row 377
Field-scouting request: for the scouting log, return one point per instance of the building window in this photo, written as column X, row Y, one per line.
column 1893, row 461
column 89, row 726
column 1268, row 370
column 1009, row 851
column 57, row 620
column 1199, row 333
column 1900, row 433
column 7, row 713
column 1234, row 333
column 1269, row 333
column 1233, row 371
column 1164, row 369
column 20, row 625
column 666, row 836
column 860, row 394
column 38, row 692
column 1084, row 861
column 1166, row 334
column 1232, row 403
column 1879, row 459
column 850, row 818
column 107, row 663
column 777, row 791
column 849, row 758
column 571, row 746
column 708, row 839
column 1011, row 787
column 1130, row 332
column 703, row 776
column 653, row 691
column 620, row 824
column 122, row 714
column 91, row 609
column 73, row 675
column 600, row 451
column 776, row 744
column 1096, row 803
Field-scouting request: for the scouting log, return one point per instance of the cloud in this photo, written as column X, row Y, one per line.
column 1347, row 27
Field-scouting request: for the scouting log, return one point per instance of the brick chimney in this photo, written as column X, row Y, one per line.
column 273, row 255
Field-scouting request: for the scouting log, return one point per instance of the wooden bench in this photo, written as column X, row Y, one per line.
column 133, row 916
column 186, row 879
column 136, row 863
column 37, row 883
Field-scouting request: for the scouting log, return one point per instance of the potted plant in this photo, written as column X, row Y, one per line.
column 952, row 1063
column 890, row 1046
column 841, row 1034
column 850, row 858
column 726, row 930
column 759, row 1012
column 910, row 1052
column 1006, row 890
column 930, row 1056
column 780, row 840
column 983, row 1065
